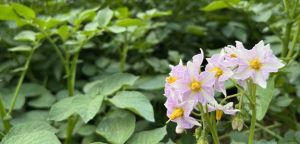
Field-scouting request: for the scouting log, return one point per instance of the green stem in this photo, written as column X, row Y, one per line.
column 252, row 91
column 230, row 96
column 268, row 131
column 208, row 122
column 285, row 45
column 20, row 82
column 214, row 126
column 71, row 88
column 57, row 50
column 71, row 125
column 286, row 7
column 124, row 54
column 294, row 42
column 5, row 122
column 247, row 131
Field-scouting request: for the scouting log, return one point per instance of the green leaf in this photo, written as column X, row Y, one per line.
column 130, row 22
column 151, row 82
column 86, row 106
column 32, row 89
column 116, row 29
column 34, row 115
column 153, row 13
column 87, row 130
column 113, row 83
column 21, row 48
column 135, row 102
column 264, row 97
column 63, row 32
column 284, row 101
column 104, row 16
column 265, row 142
column 33, row 132
column 86, row 14
column 117, row 130
column 122, row 12
column 7, row 13
column 62, row 109
column 23, row 11
column 220, row 4
column 262, row 17
column 195, row 29
column 44, row 101
column 25, row 35
column 7, row 97
column 148, row 137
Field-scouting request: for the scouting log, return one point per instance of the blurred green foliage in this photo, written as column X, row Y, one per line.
column 140, row 38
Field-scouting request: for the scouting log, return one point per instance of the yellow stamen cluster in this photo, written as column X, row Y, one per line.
column 171, row 79
column 177, row 113
column 255, row 64
column 196, row 86
column 219, row 114
column 233, row 55
column 218, row 71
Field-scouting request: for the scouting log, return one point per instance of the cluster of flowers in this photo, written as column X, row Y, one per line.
column 188, row 86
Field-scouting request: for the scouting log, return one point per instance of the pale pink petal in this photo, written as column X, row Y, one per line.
column 260, row 80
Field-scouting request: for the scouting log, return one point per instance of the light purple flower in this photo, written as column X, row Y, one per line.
column 221, row 72
column 177, row 73
column 227, row 109
column 195, row 84
column 232, row 54
column 257, row 64
column 179, row 110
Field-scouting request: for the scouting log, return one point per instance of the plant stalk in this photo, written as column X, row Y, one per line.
column 294, row 42
column 212, row 129
column 124, row 54
column 71, row 88
column 20, row 82
column 252, row 91
column 5, row 122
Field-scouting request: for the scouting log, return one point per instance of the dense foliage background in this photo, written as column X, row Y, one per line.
column 124, row 49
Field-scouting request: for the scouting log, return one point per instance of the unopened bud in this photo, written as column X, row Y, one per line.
column 202, row 140
column 179, row 130
column 237, row 123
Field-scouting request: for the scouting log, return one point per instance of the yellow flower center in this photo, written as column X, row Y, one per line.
column 171, row 79
column 218, row 71
column 177, row 113
column 196, row 86
column 233, row 55
column 255, row 64
column 219, row 114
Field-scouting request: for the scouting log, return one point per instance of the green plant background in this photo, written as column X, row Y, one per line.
column 124, row 50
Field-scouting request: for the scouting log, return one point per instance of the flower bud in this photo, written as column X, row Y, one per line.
column 179, row 130
column 237, row 123
column 202, row 140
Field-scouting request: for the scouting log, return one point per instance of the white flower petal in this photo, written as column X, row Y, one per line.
column 260, row 80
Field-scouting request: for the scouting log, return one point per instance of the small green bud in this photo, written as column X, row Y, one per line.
column 237, row 123
column 202, row 140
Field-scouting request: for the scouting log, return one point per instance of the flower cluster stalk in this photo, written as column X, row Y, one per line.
column 252, row 94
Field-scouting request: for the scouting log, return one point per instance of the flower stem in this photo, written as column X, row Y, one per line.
column 231, row 96
column 5, row 122
column 207, row 121
column 294, row 42
column 252, row 91
column 20, row 82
